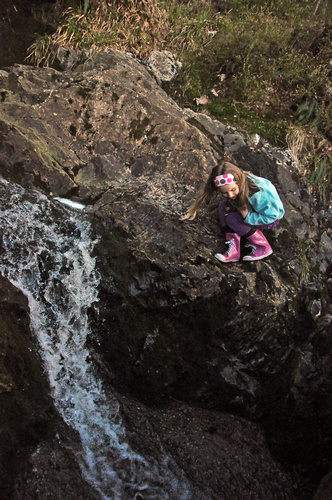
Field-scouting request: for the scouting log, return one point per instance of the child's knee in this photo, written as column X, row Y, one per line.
column 234, row 218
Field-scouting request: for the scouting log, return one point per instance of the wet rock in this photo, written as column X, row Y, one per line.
column 34, row 463
column 26, row 408
column 52, row 472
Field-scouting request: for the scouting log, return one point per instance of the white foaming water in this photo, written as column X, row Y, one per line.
column 46, row 253
column 70, row 203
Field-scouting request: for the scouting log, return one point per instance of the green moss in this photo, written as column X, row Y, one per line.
column 39, row 145
column 302, row 253
column 45, row 152
column 249, row 120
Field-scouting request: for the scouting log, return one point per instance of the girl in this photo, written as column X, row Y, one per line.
column 250, row 203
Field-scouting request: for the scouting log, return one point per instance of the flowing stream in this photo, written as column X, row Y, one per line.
column 47, row 254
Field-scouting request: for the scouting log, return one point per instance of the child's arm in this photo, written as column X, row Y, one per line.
column 264, row 207
column 243, row 211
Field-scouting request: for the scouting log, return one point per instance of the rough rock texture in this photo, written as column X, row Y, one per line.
column 325, row 488
column 223, row 452
column 25, row 407
column 52, row 472
column 163, row 65
column 253, row 339
column 30, row 455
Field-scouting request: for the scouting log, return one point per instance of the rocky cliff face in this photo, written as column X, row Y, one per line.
column 26, row 408
column 249, row 339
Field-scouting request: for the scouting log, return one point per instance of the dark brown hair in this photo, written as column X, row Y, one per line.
column 246, row 187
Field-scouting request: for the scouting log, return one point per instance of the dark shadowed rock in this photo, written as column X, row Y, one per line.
column 325, row 488
column 222, row 455
column 26, row 409
column 30, row 454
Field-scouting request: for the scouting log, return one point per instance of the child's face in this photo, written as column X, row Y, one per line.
column 229, row 191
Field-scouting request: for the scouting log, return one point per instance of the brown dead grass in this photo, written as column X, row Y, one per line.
column 136, row 26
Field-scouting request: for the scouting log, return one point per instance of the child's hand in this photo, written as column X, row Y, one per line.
column 243, row 211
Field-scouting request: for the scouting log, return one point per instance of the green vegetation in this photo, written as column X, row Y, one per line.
column 263, row 66
column 302, row 252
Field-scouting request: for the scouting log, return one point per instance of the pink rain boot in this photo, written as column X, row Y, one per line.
column 233, row 252
column 260, row 247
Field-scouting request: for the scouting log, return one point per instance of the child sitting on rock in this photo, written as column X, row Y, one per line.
column 250, row 204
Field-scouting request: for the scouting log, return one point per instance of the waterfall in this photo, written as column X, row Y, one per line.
column 47, row 254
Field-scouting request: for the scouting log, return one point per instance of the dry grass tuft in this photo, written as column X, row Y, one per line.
column 138, row 26
column 313, row 156
column 264, row 66
column 296, row 139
